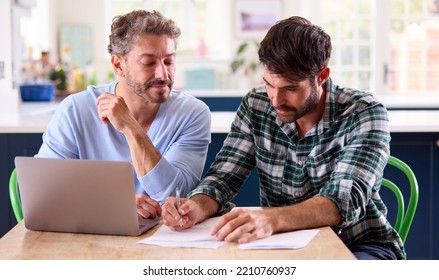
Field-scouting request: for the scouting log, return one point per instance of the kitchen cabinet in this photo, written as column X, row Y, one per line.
column 421, row 152
column 13, row 145
column 229, row 104
column 249, row 193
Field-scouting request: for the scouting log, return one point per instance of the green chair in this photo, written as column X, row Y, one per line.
column 15, row 196
column 404, row 218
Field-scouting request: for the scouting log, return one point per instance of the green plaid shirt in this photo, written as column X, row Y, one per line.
column 342, row 158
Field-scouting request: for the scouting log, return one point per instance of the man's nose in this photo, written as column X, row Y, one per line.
column 276, row 98
column 160, row 72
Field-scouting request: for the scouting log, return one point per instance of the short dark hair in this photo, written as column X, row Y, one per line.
column 295, row 49
column 126, row 29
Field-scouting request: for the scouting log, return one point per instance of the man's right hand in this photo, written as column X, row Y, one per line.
column 191, row 211
column 113, row 109
column 186, row 216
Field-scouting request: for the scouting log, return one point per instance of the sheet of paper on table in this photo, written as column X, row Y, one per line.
column 287, row 240
column 199, row 237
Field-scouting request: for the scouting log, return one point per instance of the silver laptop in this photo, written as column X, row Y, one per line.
column 81, row 196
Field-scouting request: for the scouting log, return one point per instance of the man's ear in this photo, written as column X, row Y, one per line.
column 118, row 65
column 324, row 75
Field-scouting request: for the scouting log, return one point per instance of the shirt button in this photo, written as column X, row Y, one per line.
column 300, row 163
column 296, row 194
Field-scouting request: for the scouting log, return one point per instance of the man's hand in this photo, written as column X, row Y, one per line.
column 243, row 225
column 186, row 216
column 147, row 207
column 113, row 109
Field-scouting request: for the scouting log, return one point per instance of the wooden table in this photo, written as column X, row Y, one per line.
column 23, row 244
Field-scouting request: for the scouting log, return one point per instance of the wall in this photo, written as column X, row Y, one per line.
column 9, row 98
column 92, row 13
column 85, row 12
column 5, row 47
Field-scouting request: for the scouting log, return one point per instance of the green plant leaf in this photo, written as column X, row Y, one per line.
column 242, row 48
column 236, row 64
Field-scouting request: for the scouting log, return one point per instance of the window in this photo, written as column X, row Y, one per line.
column 388, row 47
column 414, row 47
column 353, row 41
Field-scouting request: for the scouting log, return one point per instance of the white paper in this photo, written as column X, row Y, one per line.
column 288, row 240
column 197, row 236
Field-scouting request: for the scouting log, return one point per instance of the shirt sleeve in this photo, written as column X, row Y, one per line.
column 59, row 140
column 182, row 164
column 357, row 176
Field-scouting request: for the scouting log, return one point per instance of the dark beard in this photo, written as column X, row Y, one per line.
column 310, row 104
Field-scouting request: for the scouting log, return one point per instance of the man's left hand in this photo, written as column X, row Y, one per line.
column 147, row 207
column 243, row 225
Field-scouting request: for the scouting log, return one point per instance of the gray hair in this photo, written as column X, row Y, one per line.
column 126, row 29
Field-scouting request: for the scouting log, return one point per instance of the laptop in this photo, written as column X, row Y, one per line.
column 79, row 196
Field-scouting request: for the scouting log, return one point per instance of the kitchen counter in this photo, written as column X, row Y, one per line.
column 390, row 101
column 34, row 117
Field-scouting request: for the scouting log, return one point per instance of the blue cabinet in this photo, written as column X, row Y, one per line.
column 249, row 193
column 421, row 152
column 221, row 103
column 5, row 208
column 12, row 145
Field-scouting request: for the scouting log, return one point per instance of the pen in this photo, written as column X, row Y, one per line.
column 177, row 195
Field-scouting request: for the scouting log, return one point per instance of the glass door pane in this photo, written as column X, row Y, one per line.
column 351, row 27
column 414, row 43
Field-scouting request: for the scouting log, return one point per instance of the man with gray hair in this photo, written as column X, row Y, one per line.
column 139, row 119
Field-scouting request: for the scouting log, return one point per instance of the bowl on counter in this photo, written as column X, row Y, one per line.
column 37, row 92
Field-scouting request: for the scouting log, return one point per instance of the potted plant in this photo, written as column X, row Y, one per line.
column 246, row 61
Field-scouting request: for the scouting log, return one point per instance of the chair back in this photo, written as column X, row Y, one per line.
column 404, row 217
column 15, row 196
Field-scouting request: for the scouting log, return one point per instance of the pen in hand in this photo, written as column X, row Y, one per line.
column 177, row 196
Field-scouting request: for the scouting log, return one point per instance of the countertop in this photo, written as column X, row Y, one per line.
column 390, row 101
column 33, row 117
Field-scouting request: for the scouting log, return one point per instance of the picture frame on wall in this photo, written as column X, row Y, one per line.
column 253, row 18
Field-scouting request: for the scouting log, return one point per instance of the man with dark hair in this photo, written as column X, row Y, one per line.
column 164, row 133
column 320, row 151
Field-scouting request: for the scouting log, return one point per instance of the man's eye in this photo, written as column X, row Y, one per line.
column 148, row 64
column 268, row 85
column 290, row 89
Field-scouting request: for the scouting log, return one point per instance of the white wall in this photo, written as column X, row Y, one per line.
column 9, row 99
column 92, row 13
column 5, row 46
column 84, row 12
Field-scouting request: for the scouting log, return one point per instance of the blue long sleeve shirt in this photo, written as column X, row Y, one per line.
column 180, row 132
